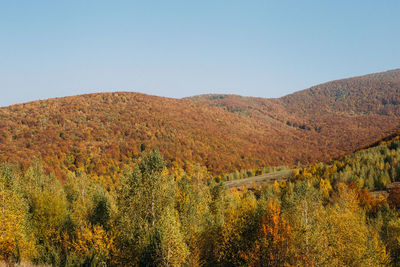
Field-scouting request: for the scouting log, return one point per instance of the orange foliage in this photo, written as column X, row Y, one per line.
column 101, row 133
column 394, row 197
column 273, row 246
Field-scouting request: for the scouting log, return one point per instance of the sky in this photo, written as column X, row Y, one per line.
column 183, row 48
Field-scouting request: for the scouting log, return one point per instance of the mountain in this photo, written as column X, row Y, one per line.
column 101, row 133
column 339, row 116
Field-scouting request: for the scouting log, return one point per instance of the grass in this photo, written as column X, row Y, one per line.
column 259, row 180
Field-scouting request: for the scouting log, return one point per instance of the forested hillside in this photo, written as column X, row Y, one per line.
column 377, row 93
column 100, row 134
column 339, row 116
column 89, row 189
column 375, row 168
column 323, row 215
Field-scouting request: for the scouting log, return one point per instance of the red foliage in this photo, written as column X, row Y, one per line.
column 394, row 197
column 100, row 133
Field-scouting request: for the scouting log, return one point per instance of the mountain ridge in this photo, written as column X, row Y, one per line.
column 102, row 132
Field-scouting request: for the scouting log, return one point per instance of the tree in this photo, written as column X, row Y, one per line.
column 100, row 212
column 15, row 239
column 48, row 214
column 393, row 239
column 394, row 197
column 192, row 199
column 351, row 241
column 239, row 230
column 273, row 246
column 302, row 205
column 146, row 193
column 92, row 246
column 173, row 250
column 91, row 207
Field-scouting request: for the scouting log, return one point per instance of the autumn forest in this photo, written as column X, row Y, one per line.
column 128, row 179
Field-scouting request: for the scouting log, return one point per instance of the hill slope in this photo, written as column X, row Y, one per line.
column 100, row 133
column 339, row 116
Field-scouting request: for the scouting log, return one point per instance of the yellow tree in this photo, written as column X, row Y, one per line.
column 302, row 206
column 93, row 245
column 241, row 220
column 192, row 200
column 274, row 245
column 351, row 240
column 15, row 242
column 173, row 250
column 393, row 239
column 48, row 213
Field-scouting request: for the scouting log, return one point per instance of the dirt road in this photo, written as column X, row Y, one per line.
column 268, row 178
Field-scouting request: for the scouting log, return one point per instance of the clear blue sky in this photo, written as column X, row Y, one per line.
column 183, row 48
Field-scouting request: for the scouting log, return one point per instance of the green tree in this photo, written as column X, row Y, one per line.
column 146, row 193
column 173, row 250
column 101, row 208
column 192, row 200
column 48, row 214
column 302, row 205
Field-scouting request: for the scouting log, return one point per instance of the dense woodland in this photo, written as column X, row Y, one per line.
column 99, row 134
column 323, row 215
column 126, row 179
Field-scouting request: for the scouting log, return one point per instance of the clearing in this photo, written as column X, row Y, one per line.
column 268, row 178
